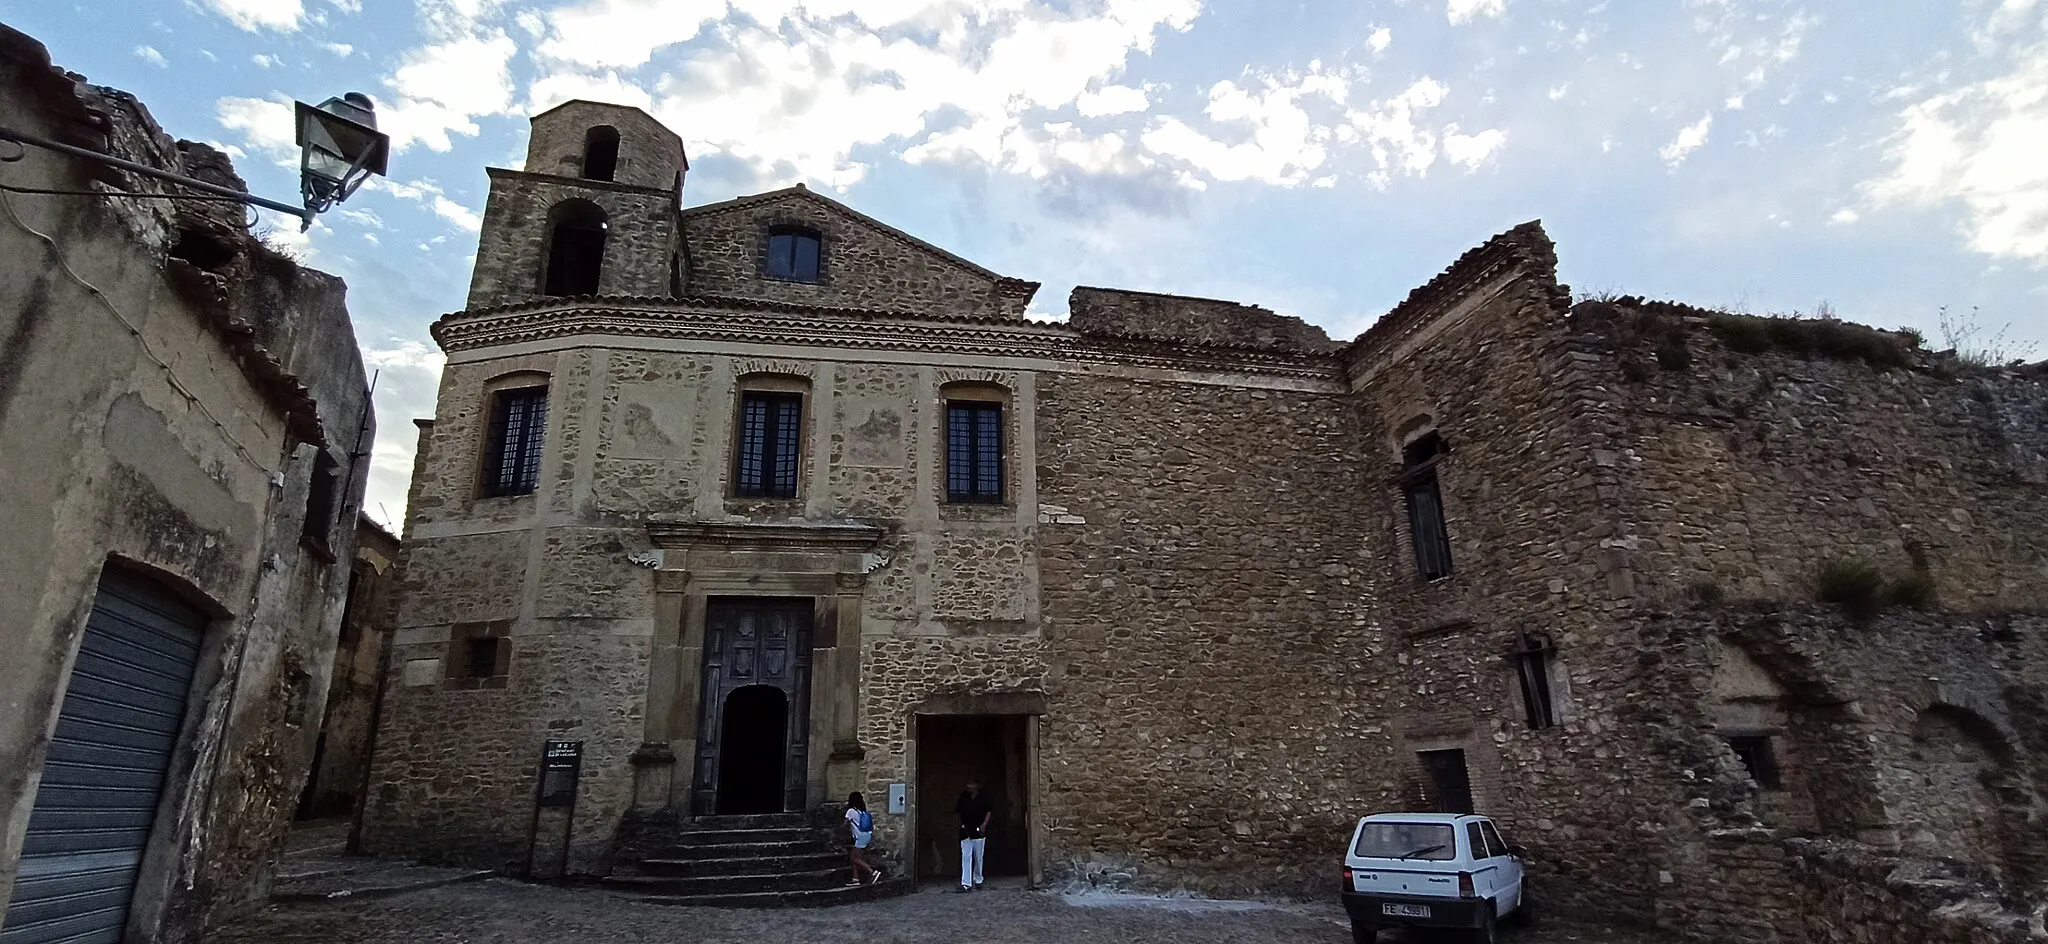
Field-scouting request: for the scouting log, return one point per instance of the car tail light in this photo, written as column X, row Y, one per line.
column 1464, row 884
column 1347, row 878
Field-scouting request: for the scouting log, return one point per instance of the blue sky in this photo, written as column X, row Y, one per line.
column 1319, row 157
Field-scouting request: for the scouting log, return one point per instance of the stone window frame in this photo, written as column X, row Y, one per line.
column 1756, row 751
column 780, row 223
column 522, row 379
column 807, row 411
column 1556, row 681
column 461, row 639
column 1420, row 427
column 984, row 391
column 594, row 137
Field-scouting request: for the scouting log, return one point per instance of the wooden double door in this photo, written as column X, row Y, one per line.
column 753, row 729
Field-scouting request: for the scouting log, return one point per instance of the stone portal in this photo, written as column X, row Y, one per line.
column 753, row 740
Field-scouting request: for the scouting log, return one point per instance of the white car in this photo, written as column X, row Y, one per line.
column 1431, row 870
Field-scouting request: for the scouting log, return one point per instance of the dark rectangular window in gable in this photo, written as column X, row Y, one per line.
column 793, row 255
column 519, row 418
column 974, row 451
column 1426, row 508
column 1535, row 658
column 771, row 430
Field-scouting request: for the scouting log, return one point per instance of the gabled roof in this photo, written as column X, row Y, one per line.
column 841, row 209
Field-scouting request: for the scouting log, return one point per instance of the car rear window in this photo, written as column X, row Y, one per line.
column 1434, row 841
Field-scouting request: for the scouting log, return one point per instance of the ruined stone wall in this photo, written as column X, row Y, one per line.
column 146, row 419
column 1180, row 319
column 1755, row 468
column 1846, row 895
column 862, row 264
column 512, row 252
column 1208, row 630
column 1482, row 357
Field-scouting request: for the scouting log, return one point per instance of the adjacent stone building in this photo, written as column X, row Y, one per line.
column 182, row 419
column 764, row 501
column 341, row 755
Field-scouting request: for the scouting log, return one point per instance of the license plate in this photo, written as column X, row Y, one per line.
column 1405, row 911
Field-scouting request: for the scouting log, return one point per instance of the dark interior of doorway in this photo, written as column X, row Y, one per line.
column 951, row 750
column 752, row 747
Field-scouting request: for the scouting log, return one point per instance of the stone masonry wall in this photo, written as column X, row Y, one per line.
column 862, row 264
column 1482, row 356
column 649, row 153
column 1179, row 319
column 1208, row 629
column 1753, row 469
column 511, row 253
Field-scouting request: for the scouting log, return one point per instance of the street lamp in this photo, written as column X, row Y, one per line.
column 339, row 145
column 339, row 149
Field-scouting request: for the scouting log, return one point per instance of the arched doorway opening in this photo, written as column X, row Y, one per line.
column 753, row 746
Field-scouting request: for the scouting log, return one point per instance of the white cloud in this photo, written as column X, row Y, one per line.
column 347, row 6
column 1112, row 100
column 263, row 60
column 1379, row 40
column 1472, row 150
column 444, row 87
column 265, row 124
column 624, row 33
column 363, row 218
column 343, row 50
column 1845, row 216
column 1465, row 11
column 458, row 214
column 1981, row 145
column 150, row 55
column 252, row 15
column 1688, row 140
column 1398, row 143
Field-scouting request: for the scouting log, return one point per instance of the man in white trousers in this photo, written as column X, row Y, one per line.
column 974, row 818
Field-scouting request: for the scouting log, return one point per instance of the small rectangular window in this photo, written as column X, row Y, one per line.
column 479, row 655
column 1535, row 660
column 512, row 456
column 793, row 255
column 974, row 451
column 482, row 661
column 770, row 444
column 1426, row 527
column 1756, row 756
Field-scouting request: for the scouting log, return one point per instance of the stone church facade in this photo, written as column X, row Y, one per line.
column 765, row 501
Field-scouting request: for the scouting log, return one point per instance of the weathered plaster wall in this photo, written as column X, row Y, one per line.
column 1208, row 626
column 342, row 758
column 145, row 422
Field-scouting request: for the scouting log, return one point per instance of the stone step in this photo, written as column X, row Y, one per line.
column 743, row 850
column 841, row 894
column 722, row 837
column 747, row 883
column 751, row 821
column 742, row 865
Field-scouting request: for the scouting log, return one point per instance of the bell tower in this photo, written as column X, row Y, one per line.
column 593, row 212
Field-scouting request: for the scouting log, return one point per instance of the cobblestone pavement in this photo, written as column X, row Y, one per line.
column 501, row 911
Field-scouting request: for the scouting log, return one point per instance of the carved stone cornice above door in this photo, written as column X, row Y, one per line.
column 794, row 557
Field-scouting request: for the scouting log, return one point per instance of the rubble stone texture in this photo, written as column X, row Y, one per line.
column 1201, row 582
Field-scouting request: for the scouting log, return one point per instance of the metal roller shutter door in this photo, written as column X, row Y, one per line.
column 105, row 771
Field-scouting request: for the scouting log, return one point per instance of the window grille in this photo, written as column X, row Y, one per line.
column 512, row 460
column 770, row 444
column 974, row 451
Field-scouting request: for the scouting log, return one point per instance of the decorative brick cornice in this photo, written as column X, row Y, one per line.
column 750, row 321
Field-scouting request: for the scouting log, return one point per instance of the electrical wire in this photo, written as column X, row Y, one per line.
column 170, row 375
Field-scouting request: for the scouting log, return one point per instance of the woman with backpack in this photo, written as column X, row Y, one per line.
column 863, row 826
